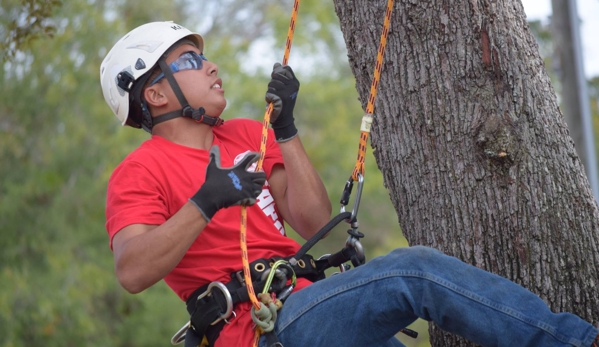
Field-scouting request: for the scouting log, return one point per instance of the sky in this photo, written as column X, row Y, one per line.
column 588, row 12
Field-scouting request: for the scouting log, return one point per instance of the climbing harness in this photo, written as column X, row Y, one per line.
column 209, row 309
column 211, row 305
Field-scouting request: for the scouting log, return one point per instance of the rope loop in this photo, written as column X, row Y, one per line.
column 266, row 317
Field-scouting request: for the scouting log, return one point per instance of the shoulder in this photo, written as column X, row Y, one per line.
column 140, row 161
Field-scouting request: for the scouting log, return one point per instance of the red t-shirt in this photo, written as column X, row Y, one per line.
column 159, row 177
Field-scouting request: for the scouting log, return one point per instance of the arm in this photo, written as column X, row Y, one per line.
column 300, row 194
column 145, row 254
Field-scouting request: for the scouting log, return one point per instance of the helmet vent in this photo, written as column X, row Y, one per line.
column 140, row 65
column 147, row 45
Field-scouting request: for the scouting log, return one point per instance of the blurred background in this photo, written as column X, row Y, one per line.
column 59, row 143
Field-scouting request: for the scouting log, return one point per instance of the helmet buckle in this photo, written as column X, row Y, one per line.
column 187, row 111
column 125, row 80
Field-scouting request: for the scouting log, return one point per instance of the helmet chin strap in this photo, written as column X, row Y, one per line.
column 199, row 115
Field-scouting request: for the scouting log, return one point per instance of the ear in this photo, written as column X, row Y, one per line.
column 154, row 96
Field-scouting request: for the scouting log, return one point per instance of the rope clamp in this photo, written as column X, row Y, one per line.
column 366, row 122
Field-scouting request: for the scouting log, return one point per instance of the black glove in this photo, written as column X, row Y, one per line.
column 225, row 187
column 282, row 93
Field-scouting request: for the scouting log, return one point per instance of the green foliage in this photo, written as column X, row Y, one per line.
column 23, row 21
column 542, row 32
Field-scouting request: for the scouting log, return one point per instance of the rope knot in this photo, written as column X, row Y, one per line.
column 266, row 316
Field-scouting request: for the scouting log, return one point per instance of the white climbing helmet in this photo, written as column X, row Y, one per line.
column 130, row 58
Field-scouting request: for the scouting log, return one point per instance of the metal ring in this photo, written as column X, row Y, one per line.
column 259, row 267
column 180, row 335
column 313, row 263
column 228, row 298
column 301, row 263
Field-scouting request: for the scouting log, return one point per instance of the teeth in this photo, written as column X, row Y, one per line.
column 216, row 86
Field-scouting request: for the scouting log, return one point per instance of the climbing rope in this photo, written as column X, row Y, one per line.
column 257, row 305
column 367, row 119
column 264, row 310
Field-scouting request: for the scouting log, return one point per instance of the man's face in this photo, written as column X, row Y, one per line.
column 202, row 88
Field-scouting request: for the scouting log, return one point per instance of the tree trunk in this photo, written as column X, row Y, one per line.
column 473, row 148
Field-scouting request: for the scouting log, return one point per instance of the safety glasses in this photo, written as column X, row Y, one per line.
column 186, row 61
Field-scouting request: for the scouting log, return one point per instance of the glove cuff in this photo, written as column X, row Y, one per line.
column 207, row 212
column 286, row 133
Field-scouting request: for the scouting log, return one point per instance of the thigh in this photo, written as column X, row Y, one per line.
column 344, row 310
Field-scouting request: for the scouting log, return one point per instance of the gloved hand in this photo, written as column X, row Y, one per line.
column 282, row 93
column 225, row 187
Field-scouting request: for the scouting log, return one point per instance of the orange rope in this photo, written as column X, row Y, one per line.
column 243, row 229
column 367, row 119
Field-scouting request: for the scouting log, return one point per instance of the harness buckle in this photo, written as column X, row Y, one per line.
column 240, row 278
column 227, row 295
column 180, row 335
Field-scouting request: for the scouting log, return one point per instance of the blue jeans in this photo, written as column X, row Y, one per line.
column 368, row 305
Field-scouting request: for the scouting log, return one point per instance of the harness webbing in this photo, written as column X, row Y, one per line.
column 265, row 123
column 367, row 119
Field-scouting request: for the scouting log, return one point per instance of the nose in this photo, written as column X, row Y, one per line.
column 211, row 68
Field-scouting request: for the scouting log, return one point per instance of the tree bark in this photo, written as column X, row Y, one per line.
column 473, row 148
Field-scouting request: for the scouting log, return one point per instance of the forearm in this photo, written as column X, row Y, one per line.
column 145, row 254
column 308, row 204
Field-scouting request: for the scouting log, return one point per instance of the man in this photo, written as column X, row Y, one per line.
column 173, row 214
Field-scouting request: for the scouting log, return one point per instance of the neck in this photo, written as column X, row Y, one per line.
column 185, row 132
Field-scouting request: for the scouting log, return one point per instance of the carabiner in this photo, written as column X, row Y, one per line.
column 281, row 275
column 345, row 199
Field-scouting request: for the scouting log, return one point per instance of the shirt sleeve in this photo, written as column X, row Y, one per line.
column 134, row 196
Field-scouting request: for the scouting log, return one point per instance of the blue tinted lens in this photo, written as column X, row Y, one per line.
column 187, row 61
